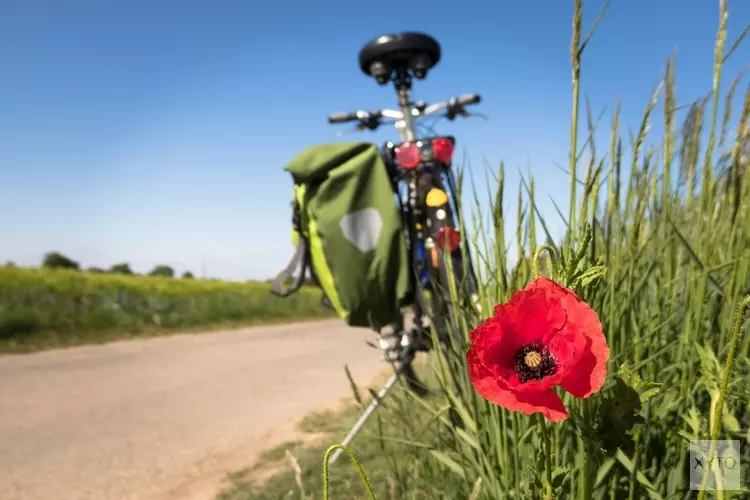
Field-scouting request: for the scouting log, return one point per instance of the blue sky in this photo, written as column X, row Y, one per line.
column 155, row 132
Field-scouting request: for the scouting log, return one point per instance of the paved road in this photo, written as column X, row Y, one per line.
column 165, row 418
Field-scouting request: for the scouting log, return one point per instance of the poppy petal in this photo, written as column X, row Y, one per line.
column 532, row 315
column 491, row 343
column 552, row 288
column 567, row 347
column 580, row 313
column 591, row 369
column 477, row 369
column 501, row 348
column 546, row 402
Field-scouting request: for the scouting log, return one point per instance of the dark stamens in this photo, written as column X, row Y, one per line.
column 534, row 361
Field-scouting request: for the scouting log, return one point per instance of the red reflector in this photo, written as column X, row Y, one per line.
column 442, row 150
column 407, row 155
column 450, row 237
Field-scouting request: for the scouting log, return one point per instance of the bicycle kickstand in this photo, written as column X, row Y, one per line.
column 365, row 415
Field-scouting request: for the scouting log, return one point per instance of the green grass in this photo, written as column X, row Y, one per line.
column 41, row 308
column 394, row 468
column 663, row 223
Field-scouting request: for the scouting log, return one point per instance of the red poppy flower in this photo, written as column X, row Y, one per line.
column 545, row 336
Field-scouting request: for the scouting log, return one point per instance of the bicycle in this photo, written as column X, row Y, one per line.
column 420, row 170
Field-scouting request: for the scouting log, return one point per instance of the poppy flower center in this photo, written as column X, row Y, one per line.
column 534, row 362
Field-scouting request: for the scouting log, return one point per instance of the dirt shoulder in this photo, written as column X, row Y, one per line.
column 166, row 418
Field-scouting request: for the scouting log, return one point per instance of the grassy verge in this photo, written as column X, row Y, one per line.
column 57, row 308
column 395, row 468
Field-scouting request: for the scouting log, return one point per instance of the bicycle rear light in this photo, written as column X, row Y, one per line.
column 442, row 150
column 407, row 155
column 447, row 236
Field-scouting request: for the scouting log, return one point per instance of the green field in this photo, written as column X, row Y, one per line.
column 41, row 308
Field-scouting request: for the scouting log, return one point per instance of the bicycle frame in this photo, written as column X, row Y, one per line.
column 405, row 126
column 414, row 210
column 414, row 215
column 410, row 204
column 430, row 172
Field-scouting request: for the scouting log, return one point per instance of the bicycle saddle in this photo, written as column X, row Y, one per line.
column 400, row 52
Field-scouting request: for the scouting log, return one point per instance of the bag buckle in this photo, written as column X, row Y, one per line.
column 296, row 222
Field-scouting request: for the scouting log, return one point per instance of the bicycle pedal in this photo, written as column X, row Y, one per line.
column 389, row 347
column 389, row 356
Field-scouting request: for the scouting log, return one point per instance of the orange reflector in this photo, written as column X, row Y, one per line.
column 434, row 257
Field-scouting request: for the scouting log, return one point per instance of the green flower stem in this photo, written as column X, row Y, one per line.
column 738, row 318
column 589, row 466
column 547, row 455
column 577, row 257
column 357, row 465
column 553, row 258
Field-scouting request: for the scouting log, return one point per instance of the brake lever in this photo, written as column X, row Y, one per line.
column 454, row 111
column 459, row 110
column 357, row 128
column 369, row 123
column 466, row 114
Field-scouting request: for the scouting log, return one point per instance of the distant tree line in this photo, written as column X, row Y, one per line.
column 56, row 260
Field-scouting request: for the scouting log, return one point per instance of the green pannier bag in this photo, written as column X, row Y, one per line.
column 349, row 233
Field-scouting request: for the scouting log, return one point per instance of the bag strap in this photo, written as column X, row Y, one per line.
column 326, row 302
column 301, row 260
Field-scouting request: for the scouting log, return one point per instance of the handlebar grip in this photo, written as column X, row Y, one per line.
column 469, row 99
column 342, row 117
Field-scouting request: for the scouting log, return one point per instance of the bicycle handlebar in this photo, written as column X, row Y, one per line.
column 452, row 104
column 342, row 117
column 467, row 99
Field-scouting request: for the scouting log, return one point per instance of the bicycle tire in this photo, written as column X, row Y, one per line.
column 411, row 380
column 444, row 309
column 442, row 303
column 440, row 309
